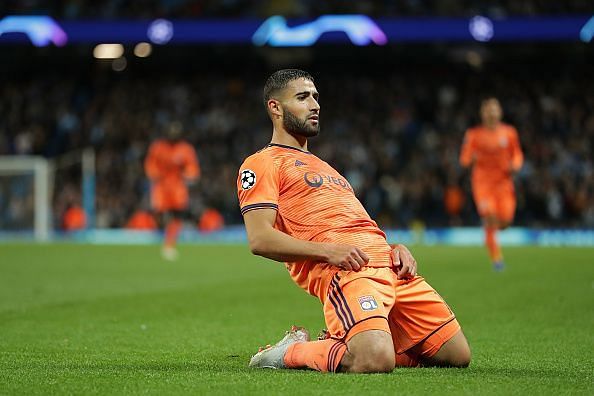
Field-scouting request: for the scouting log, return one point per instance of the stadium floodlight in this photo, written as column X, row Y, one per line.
column 119, row 64
column 142, row 50
column 108, row 51
column 481, row 28
column 160, row 31
column 16, row 174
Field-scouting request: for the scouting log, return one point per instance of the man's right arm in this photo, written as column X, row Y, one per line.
column 467, row 151
column 151, row 166
column 266, row 241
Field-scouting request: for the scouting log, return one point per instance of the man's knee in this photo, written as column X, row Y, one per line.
column 374, row 360
column 460, row 357
column 454, row 353
column 371, row 351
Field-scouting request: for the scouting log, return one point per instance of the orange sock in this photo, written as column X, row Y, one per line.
column 492, row 245
column 406, row 360
column 171, row 231
column 324, row 356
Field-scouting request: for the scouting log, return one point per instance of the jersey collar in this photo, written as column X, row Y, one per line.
column 287, row 147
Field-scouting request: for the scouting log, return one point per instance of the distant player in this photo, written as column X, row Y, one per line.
column 379, row 313
column 171, row 164
column 493, row 151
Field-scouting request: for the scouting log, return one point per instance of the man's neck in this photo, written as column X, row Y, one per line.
column 491, row 125
column 280, row 136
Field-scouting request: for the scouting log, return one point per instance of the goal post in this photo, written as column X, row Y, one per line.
column 28, row 188
column 88, row 185
column 39, row 168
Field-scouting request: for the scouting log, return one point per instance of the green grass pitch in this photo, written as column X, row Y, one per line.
column 83, row 319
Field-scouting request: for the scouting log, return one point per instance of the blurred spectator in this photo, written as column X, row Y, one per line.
column 142, row 220
column 74, row 218
column 454, row 200
column 394, row 133
column 211, row 220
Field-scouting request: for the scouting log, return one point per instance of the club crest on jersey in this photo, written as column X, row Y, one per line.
column 367, row 303
column 247, row 179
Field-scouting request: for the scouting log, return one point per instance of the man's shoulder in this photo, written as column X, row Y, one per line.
column 157, row 148
column 158, row 143
column 473, row 130
column 260, row 158
column 185, row 146
column 259, row 155
column 509, row 128
column 267, row 154
column 279, row 157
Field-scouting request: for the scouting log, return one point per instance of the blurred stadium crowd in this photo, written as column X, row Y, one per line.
column 395, row 136
column 111, row 9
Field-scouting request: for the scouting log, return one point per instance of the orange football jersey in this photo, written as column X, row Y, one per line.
column 496, row 153
column 314, row 203
column 170, row 163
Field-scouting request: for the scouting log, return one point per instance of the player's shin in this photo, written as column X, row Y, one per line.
column 172, row 231
column 324, row 355
column 492, row 244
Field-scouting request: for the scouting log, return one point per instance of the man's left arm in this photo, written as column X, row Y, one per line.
column 517, row 159
column 191, row 171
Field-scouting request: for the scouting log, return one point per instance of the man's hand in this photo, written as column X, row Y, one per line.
column 405, row 263
column 346, row 257
column 190, row 182
column 513, row 171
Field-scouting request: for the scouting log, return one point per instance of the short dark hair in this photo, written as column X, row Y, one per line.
column 487, row 98
column 279, row 80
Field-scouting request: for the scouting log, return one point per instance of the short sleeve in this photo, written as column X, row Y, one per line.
column 258, row 184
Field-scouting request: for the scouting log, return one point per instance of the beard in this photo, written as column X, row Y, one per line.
column 297, row 127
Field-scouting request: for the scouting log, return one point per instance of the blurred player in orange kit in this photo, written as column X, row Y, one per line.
column 379, row 313
column 171, row 164
column 493, row 151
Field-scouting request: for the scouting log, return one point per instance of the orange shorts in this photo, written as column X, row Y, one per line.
column 374, row 299
column 495, row 201
column 168, row 199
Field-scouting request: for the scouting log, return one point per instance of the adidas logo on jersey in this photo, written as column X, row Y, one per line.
column 299, row 163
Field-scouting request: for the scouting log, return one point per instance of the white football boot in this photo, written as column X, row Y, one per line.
column 273, row 356
column 169, row 253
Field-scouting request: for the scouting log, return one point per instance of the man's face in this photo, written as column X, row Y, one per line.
column 174, row 131
column 301, row 110
column 491, row 112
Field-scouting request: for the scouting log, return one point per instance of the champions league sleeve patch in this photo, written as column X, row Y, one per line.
column 367, row 303
column 248, row 179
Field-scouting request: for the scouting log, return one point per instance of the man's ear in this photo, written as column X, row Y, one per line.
column 275, row 107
